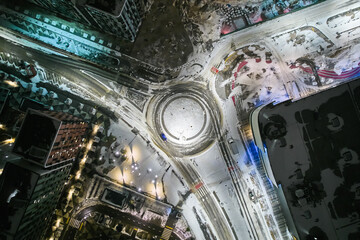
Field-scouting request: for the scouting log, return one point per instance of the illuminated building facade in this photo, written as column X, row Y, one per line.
column 121, row 18
column 30, row 187
column 28, row 197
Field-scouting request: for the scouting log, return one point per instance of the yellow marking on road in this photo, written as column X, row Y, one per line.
column 81, row 226
column 229, row 57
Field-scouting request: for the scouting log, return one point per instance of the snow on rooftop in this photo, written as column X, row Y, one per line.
column 309, row 158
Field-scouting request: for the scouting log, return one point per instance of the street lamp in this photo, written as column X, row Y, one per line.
column 154, row 181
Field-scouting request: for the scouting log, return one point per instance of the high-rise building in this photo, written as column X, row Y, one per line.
column 48, row 138
column 65, row 8
column 28, row 196
column 30, row 187
column 310, row 152
column 121, row 18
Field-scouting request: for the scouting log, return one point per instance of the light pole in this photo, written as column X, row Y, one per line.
column 154, row 181
column 133, row 164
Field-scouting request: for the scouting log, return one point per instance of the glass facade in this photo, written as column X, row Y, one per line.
column 29, row 195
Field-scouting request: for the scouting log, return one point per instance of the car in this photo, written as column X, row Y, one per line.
column 233, row 146
column 163, row 137
column 251, row 195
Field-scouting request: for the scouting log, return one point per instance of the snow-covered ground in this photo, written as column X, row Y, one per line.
column 215, row 175
column 330, row 42
column 143, row 167
column 276, row 80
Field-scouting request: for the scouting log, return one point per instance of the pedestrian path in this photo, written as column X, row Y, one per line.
column 349, row 74
column 74, row 223
column 241, row 65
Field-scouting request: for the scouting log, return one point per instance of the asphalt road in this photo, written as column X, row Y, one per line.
column 188, row 172
column 71, row 68
column 276, row 26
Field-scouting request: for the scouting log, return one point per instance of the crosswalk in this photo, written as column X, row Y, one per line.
column 74, row 223
column 202, row 193
column 166, row 233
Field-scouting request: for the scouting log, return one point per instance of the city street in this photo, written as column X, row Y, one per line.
column 191, row 130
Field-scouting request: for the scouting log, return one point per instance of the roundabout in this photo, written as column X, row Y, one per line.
column 184, row 117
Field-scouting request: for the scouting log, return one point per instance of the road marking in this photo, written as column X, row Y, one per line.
column 81, row 226
column 197, row 186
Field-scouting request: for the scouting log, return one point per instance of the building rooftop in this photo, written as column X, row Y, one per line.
column 41, row 134
column 113, row 7
column 36, row 136
column 313, row 149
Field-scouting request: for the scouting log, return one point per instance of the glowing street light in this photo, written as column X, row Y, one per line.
column 69, row 196
column 8, row 141
column 11, row 83
column 87, row 149
column 57, row 224
column 154, row 181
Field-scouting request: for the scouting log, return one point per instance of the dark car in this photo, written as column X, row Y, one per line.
column 251, row 195
column 163, row 137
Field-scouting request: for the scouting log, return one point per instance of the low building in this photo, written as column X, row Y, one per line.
column 310, row 151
